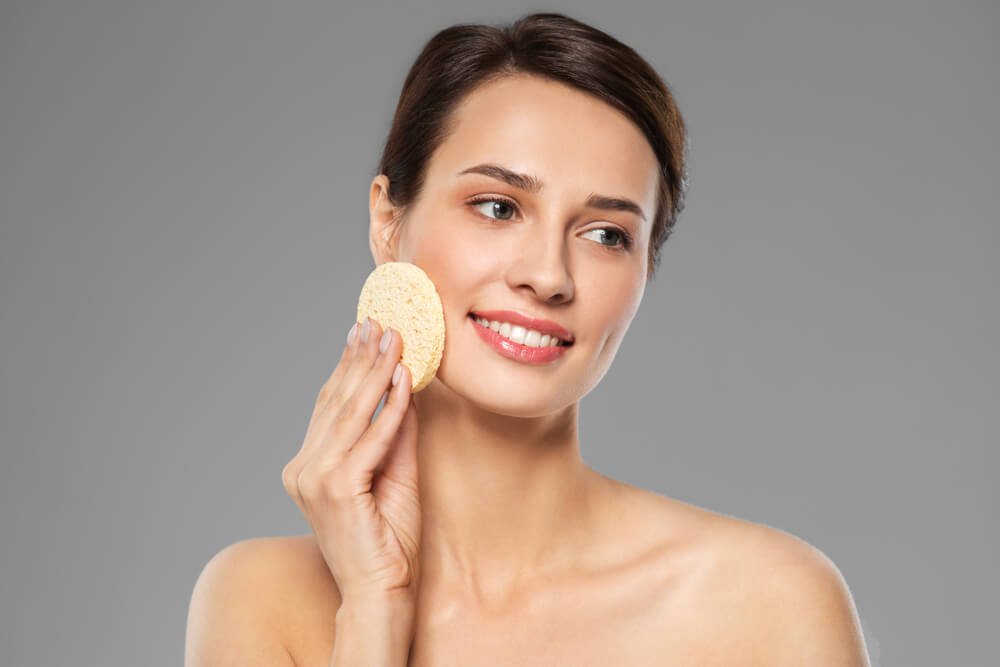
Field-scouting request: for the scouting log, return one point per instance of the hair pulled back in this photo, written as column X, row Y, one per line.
column 462, row 57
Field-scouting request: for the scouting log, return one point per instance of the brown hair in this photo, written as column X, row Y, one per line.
column 462, row 57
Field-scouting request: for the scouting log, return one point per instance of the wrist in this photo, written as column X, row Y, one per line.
column 394, row 599
column 373, row 630
column 393, row 608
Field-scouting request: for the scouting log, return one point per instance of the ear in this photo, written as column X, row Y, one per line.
column 383, row 238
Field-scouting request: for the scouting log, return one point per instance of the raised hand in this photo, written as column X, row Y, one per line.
column 355, row 479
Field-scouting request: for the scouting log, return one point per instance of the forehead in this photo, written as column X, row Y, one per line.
column 569, row 139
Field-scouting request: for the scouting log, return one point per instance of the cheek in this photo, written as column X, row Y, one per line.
column 453, row 261
column 456, row 245
column 442, row 248
column 612, row 299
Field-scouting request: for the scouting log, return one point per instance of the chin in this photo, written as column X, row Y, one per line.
column 521, row 411
column 545, row 401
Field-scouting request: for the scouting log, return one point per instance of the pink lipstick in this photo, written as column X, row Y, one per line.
column 516, row 351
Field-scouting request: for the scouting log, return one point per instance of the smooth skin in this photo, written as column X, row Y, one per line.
column 526, row 555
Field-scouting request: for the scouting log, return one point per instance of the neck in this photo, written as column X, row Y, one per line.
column 503, row 499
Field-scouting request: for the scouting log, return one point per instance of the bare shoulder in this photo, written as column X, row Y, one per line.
column 305, row 593
column 791, row 593
column 280, row 584
column 770, row 567
column 778, row 598
column 727, row 547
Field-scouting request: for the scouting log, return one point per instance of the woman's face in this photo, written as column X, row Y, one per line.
column 545, row 252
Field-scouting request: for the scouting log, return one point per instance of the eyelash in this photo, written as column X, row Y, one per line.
column 626, row 243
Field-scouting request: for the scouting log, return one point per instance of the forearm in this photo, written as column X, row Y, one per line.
column 372, row 634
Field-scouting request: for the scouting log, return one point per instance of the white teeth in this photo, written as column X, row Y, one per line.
column 519, row 334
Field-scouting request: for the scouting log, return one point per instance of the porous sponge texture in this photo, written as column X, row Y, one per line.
column 400, row 295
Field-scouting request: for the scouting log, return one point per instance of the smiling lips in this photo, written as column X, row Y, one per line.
column 517, row 351
column 520, row 319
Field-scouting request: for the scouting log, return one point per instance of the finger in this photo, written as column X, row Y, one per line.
column 290, row 480
column 399, row 463
column 313, row 440
column 346, row 357
column 364, row 358
column 356, row 414
column 322, row 441
column 377, row 440
column 335, row 384
column 328, row 437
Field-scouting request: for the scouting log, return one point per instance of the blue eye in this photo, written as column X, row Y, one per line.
column 496, row 208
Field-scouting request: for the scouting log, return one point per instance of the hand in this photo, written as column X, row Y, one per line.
column 356, row 479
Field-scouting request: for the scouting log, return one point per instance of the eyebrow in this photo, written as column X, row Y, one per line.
column 531, row 184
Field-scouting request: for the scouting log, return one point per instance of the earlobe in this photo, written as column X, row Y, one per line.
column 381, row 232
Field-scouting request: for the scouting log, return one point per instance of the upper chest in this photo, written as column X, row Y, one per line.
column 687, row 604
column 663, row 623
column 644, row 616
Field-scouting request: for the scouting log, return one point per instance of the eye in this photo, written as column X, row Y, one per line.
column 624, row 241
column 499, row 209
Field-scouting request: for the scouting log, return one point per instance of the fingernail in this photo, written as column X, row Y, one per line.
column 384, row 342
column 396, row 374
column 364, row 330
column 352, row 334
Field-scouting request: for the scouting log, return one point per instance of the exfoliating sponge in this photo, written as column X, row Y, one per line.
column 400, row 295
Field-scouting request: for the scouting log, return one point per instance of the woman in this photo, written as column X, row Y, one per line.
column 533, row 173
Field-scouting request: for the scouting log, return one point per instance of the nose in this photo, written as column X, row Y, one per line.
column 542, row 266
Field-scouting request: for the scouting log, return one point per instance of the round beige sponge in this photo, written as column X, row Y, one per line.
column 400, row 295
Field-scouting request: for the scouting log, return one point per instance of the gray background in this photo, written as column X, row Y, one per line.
column 183, row 191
